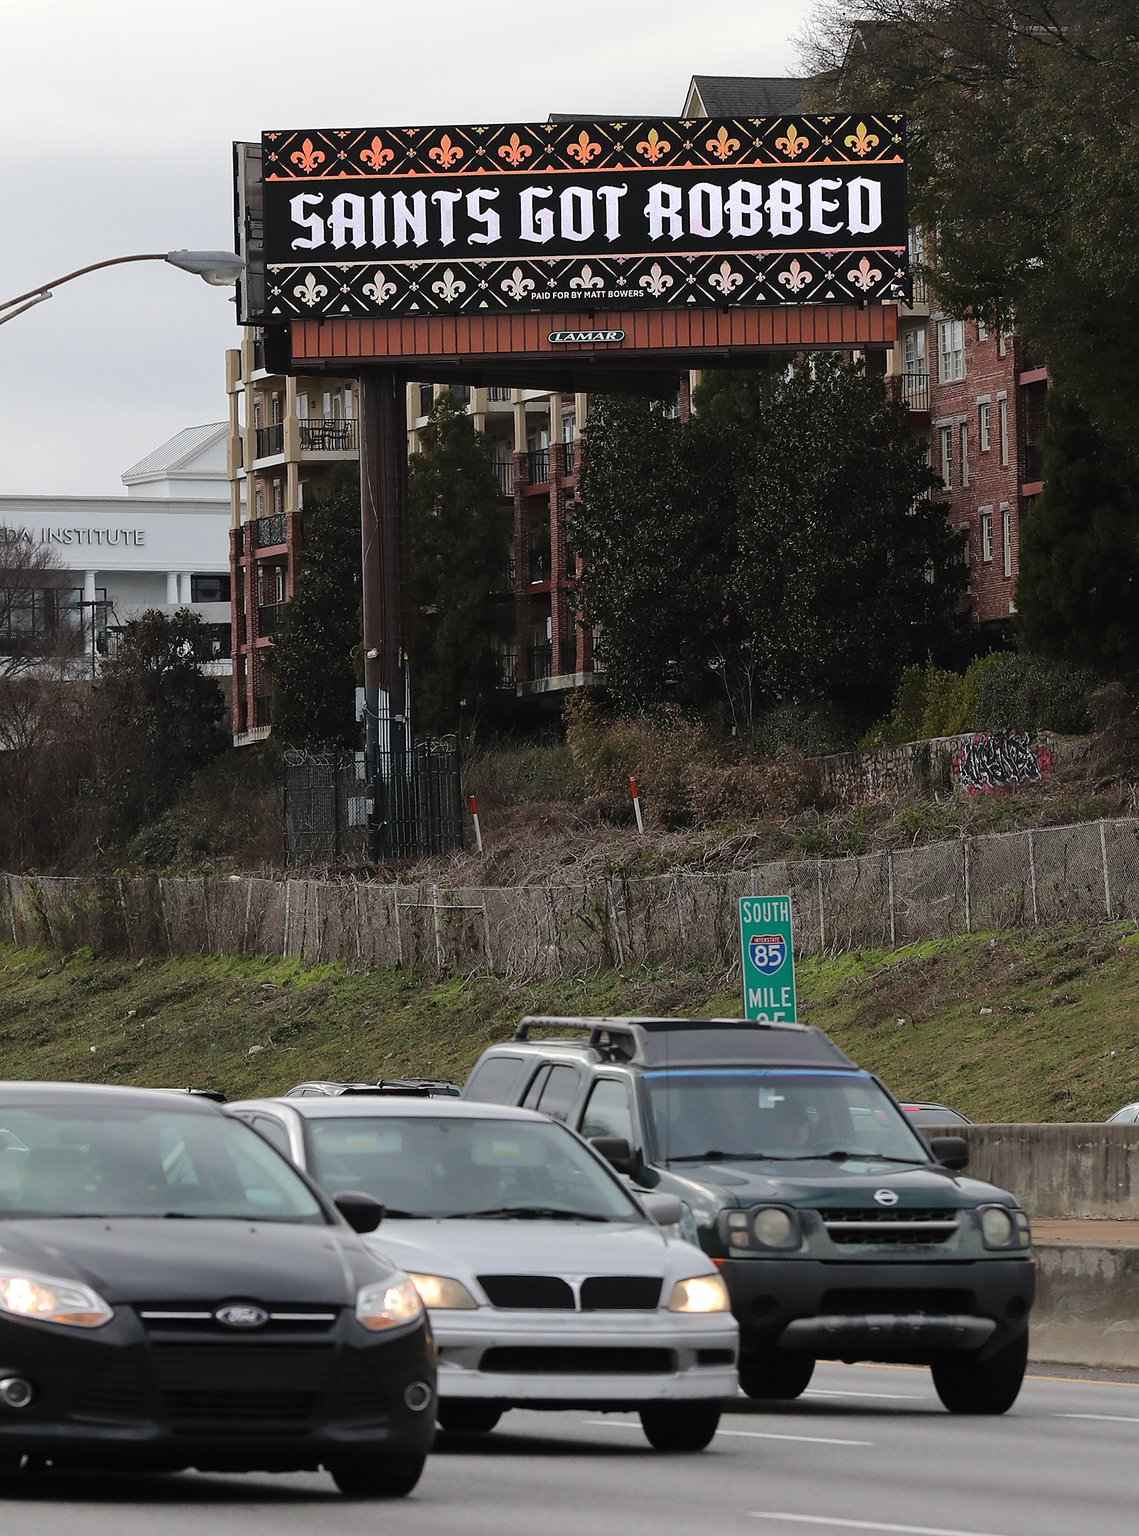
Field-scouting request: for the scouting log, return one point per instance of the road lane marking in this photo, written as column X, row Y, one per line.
column 862, row 1525
column 899, row 1397
column 1109, row 1418
column 741, row 1434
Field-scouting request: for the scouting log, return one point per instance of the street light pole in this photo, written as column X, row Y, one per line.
column 218, row 268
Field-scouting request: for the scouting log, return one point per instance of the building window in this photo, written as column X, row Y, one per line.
column 951, row 350
column 426, row 399
column 986, row 534
column 1006, row 537
column 1002, row 343
column 985, row 425
column 209, row 589
column 964, row 451
column 1002, row 427
column 946, row 436
column 982, row 331
column 278, row 497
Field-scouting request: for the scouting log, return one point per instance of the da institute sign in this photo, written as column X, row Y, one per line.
column 650, row 214
column 768, row 959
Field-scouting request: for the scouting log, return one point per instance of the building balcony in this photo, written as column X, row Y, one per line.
column 913, row 391
column 1031, row 468
column 570, row 459
column 539, row 566
column 270, row 441
column 539, row 662
column 505, row 669
column 538, row 466
column 331, row 434
column 504, row 476
column 268, row 619
column 269, row 532
column 262, row 711
column 497, row 394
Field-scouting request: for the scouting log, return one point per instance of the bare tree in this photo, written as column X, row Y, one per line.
column 38, row 622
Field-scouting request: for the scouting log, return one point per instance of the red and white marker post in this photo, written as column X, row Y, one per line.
column 636, row 804
column 475, row 818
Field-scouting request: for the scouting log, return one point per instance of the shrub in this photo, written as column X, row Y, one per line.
column 1033, row 693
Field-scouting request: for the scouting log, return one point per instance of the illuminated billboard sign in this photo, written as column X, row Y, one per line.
column 460, row 220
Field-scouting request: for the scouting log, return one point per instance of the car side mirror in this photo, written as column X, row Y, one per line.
column 362, row 1212
column 665, row 1210
column 616, row 1151
column 950, row 1151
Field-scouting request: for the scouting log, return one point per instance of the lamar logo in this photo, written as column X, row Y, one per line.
column 561, row 337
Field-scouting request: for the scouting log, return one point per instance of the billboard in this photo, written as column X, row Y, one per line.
column 508, row 218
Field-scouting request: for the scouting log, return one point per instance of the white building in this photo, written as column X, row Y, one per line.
column 164, row 545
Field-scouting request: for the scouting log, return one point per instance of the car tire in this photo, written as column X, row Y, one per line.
column 680, row 1426
column 969, row 1385
column 377, row 1477
column 460, row 1416
column 775, row 1374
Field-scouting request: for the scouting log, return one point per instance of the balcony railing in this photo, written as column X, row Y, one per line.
column 505, row 669
column 268, row 531
column 538, row 466
column 570, row 458
column 504, row 476
column 270, row 440
column 539, row 662
column 262, row 710
column 329, row 435
column 1032, row 464
column 268, row 618
column 506, row 577
column 915, row 391
column 499, row 393
column 539, row 566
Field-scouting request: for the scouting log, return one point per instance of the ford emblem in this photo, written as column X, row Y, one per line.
column 885, row 1197
column 240, row 1316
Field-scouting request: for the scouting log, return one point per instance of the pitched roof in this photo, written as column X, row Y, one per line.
column 747, row 95
column 177, row 451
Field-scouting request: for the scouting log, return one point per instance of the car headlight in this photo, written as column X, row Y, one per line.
column 441, row 1293
column 1004, row 1228
column 387, row 1304
column 774, row 1227
column 53, row 1301
column 700, row 1293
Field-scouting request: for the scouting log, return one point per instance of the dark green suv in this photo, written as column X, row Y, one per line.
column 841, row 1233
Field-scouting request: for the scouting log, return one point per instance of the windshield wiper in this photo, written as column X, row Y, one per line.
column 840, row 1155
column 523, row 1212
column 716, row 1156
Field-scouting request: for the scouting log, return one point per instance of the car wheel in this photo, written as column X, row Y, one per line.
column 680, row 1426
column 970, row 1385
column 776, row 1374
column 379, row 1477
column 461, row 1417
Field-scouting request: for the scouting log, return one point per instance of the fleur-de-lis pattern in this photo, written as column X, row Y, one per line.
column 652, row 146
column 445, row 153
column 723, row 145
column 583, row 149
column 386, row 280
column 514, row 151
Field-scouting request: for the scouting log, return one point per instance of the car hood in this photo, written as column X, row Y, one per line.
column 134, row 1259
column 837, row 1185
column 459, row 1248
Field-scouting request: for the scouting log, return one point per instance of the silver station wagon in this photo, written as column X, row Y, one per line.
column 548, row 1282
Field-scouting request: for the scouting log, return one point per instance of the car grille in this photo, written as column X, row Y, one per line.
column 116, row 1395
column 265, row 1388
column 184, row 1319
column 566, row 1361
column 878, row 1225
column 598, row 1293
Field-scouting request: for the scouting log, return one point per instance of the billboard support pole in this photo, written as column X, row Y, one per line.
column 384, row 567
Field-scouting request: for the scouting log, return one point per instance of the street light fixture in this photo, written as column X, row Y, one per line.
column 218, row 268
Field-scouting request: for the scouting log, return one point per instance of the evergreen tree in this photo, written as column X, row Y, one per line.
column 312, row 660
column 1078, row 586
column 460, row 538
column 779, row 547
column 158, row 717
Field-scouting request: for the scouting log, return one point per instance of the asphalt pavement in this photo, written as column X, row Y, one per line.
column 868, row 1449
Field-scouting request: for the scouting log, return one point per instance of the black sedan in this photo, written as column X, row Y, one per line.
column 174, row 1294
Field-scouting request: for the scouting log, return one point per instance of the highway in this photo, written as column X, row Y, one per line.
column 867, row 1450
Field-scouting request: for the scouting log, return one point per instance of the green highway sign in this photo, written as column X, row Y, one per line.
column 768, row 959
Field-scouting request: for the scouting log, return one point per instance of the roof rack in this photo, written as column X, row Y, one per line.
column 659, row 1040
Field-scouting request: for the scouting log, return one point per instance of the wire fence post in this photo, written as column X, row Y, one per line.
column 616, row 925
column 398, row 928
column 438, row 924
column 965, row 871
column 890, row 896
column 248, row 910
column 1032, row 878
column 1106, row 879
column 822, row 914
column 486, row 939
column 288, row 915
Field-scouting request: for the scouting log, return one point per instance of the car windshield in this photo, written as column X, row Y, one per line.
column 776, row 1114
column 457, row 1166
column 118, row 1160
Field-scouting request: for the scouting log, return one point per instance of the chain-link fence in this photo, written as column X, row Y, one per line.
column 1080, row 874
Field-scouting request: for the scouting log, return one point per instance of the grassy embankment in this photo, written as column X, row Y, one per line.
column 1006, row 1027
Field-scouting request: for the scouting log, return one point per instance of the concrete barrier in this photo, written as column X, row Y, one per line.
column 1058, row 1172
column 1087, row 1305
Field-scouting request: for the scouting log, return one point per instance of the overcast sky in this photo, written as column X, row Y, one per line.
column 117, row 118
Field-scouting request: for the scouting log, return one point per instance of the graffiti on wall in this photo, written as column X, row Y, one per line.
column 1001, row 760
